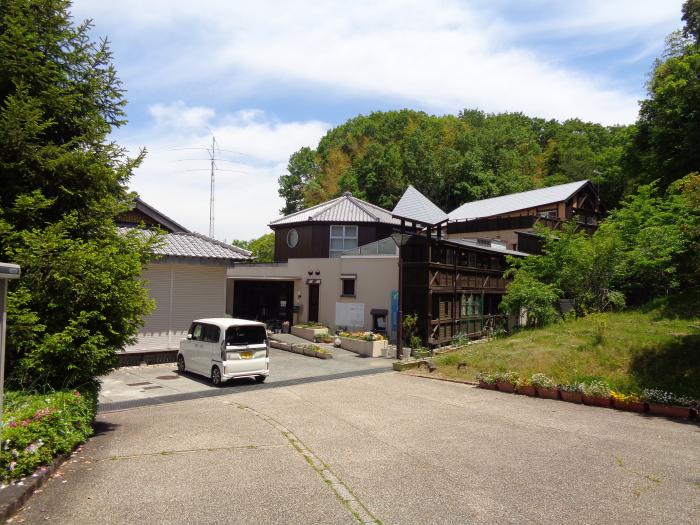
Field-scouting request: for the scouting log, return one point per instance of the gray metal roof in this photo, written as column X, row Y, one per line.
column 345, row 208
column 196, row 245
column 471, row 244
column 416, row 206
column 516, row 201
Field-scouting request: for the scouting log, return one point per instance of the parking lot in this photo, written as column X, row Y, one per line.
column 350, row 441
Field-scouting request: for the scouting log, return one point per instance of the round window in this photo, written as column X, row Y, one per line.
column 292, row 238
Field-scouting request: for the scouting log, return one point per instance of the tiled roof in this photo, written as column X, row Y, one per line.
column 199, row 246
column 516, row 201
column 345, row 208
column 414, row 205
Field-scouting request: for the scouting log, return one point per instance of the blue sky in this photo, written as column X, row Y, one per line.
column 270, row 77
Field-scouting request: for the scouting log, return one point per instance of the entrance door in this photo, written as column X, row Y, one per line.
column 313, row 303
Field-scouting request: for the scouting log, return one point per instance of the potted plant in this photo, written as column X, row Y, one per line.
column 545, row 386
column 596, row 393
column 667, row 404
column 486, row 380
column 571, row 393
column 505, row 381
column 525, row 387
column 630, row 402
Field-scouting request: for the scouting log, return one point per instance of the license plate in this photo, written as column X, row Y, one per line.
column 246, row 355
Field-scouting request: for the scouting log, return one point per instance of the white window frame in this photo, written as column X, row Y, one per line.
column 349, row 233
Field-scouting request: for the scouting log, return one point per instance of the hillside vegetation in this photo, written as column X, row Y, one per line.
column 654, row 347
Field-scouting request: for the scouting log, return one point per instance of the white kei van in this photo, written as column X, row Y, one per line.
column 222, row 349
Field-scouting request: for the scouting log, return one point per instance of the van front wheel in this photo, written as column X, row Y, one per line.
column 215, row 376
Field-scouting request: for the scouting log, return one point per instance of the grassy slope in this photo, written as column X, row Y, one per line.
column 656, row 347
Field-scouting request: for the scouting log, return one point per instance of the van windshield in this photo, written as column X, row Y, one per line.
column 245, row 335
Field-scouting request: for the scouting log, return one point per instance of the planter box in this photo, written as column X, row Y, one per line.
column 670, row 410
column 487, row 386
column 571, row 397
column 596, row 401
column 308, row 333
column 527, row 390
column 505, row 387
column 630, row 406
column 548, row 393
column 360, row 346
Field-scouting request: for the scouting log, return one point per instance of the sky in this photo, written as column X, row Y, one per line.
column 268, row 77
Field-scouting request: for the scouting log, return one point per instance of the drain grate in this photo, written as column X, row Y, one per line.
column 151, row 387
column 165, row 378
column 138, row 384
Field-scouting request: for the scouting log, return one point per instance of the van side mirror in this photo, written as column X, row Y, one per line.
column 189, row 336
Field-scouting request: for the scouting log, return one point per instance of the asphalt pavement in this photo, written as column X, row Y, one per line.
column 348, row 440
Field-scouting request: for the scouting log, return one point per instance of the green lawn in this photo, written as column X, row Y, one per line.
column 654, row 347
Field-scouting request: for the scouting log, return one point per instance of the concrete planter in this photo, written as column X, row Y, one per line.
column 308, row 333
column 360, row 346
column 548, row 393
column 670, row 411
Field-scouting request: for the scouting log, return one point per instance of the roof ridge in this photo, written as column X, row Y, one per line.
column 354, row 201
column 305, row 210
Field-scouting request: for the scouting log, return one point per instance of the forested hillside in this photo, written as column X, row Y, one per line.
column 454, row 159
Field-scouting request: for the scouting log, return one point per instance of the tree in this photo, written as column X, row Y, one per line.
column 262, row 248
column 80, row 297
column 668, row 142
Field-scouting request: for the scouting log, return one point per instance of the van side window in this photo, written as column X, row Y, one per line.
column 196, row 331
column 211, row 333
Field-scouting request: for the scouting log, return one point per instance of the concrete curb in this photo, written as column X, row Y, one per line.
column 13, row 497
column 448, row 380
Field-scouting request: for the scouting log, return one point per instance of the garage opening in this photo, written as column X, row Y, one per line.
column 267, row 301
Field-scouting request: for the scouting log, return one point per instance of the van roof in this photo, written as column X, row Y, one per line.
column 225, row 322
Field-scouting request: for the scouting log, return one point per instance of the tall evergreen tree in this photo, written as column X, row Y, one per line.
column 63, row 181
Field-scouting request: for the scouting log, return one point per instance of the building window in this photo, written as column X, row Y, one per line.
column 292, row 238
column 348, row 288
column 342, row 238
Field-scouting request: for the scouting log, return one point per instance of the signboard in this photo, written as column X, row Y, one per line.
column 394, row 315
column 350, row 315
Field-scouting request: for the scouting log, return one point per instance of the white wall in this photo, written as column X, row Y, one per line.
column 182, row 292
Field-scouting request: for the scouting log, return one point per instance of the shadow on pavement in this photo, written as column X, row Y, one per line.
column 230, row 388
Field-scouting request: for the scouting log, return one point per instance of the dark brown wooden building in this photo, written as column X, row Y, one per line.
column 454, row 287
column 505, row 217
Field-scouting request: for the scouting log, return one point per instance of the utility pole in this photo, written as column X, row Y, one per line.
column 212, row 156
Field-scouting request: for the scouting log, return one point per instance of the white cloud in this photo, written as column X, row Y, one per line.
column 441, row 55
column 254, row 152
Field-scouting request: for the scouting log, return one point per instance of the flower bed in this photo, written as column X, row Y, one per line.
column 309, row 332
column 593, row 393
column 37, row 428
column 310, row 349
column 372, row 348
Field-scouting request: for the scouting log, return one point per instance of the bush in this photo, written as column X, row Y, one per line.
column 38, row 427
column 654, row 395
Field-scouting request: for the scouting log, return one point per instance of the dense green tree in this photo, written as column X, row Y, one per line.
column 262, row 248
column 63, row 182
column 454, row 159
column 668, row 142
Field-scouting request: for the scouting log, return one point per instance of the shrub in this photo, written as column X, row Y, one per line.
column 461, row 339
column 38, row 427
column 542, row 381
column 625, row 398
